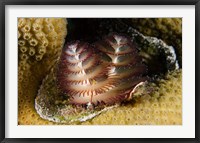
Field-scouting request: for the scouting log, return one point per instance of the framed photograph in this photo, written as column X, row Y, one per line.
column 105, row 71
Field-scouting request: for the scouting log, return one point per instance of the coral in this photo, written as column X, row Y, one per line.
column 167, row 29
column 36, row 36
column 162, row 107
column 40, row 41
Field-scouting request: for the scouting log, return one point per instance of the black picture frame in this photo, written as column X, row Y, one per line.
column 3, row 4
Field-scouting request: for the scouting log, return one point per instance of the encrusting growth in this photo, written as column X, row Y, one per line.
column 167, row 29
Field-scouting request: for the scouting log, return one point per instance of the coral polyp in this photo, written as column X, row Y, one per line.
column 103, row 73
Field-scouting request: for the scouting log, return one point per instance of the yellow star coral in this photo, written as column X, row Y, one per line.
column 40, row 41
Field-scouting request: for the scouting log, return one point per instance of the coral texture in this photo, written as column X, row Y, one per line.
column 162, row 107
column 40, row 41
column 167, row 29
column 104, row 76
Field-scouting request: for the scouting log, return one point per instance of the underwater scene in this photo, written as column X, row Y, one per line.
column 99, row 71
